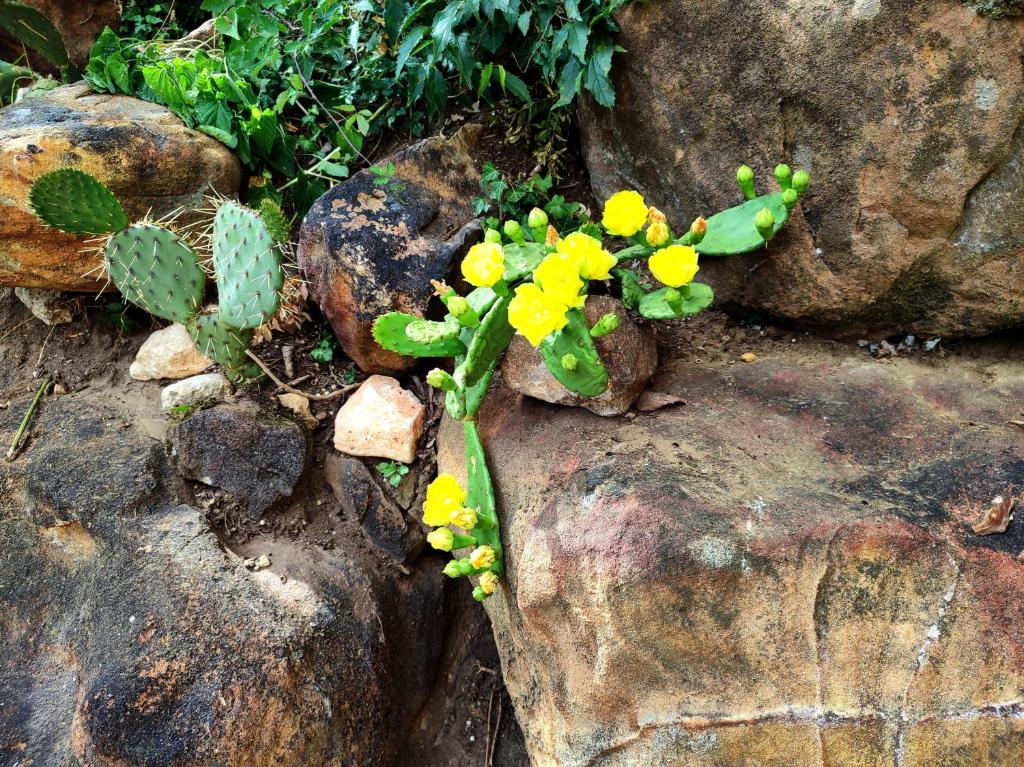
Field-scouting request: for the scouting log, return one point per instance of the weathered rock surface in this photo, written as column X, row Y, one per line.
column 908, row 115
column 197, row 390
column 168, row 353
column 146, row 155
column 629, row 355
column 48, row 306
column 381, row 420
column 781, row 573
column 79, row 24
column 367, row 249
column 256, row 456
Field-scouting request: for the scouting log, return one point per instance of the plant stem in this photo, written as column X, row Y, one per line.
column 28, row 417
column 282, row 385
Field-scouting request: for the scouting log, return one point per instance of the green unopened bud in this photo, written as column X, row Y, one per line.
column 537, row 219
column 458, row 306
column 479, row 594
column 441, row 539
column 607, row 324
column 764, row 221
column 790, row 198
column 784, row 175
column 441, row 379
column 569, row 362
column 453, row 569
column 801, row 180
column 745, row 178
column 492, row 235
column 514, row 232
column 461, row 310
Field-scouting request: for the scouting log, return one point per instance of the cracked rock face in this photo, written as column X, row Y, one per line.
column 908, row 115
column 780, row 573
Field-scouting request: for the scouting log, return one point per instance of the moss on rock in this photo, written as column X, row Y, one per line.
column 997, row 9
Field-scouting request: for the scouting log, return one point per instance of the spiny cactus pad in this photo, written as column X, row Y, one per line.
column 587, row 376
column 428, row 331
column 248, row 267
column 696, row 298
column 74, row 202
column 224, row 343
column 733, row 231
column 390, row 332
column 520, row 260
column 33, row 30
column 156, row 271
column 489, row 342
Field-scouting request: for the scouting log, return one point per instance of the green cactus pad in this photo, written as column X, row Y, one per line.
column 653, row 306
column 489, row 342
column 74, row 202
column 732, row 231
column 156, row 271
column 430, row 332
column 248, row 267
column 588, row 376
column 390, row 332
column 480, row 492
column 33, row 30
column 520, row 260
column 224, row 344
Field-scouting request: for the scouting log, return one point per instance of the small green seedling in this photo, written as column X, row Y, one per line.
column 393, row 472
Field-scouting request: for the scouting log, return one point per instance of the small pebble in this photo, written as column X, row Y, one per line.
column 748, row 357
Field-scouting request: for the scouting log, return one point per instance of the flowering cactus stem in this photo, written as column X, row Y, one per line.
column 480, row 494
column 588, row 376
column 489, row 342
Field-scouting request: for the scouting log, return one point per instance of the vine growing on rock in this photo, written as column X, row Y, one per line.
column 529, row 279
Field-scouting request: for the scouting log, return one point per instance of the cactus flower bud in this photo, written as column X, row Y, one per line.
column 479, row 594
column 464, row 518
column 765, row 223
column 745, row 178
column 441, row 379
column 489, row 582
column 482, row 556
column 657, row 234
column 569, row 361
column 655, row 216
column 784, row 175
column 441, row 539
column 511, row 228
column 698, row 229
column 537, row 219
column 492, row 235
column 551, row 239
column 458, row 306
column 801, row 180
column 453, row 569
column 790, row 197
column 607, row 324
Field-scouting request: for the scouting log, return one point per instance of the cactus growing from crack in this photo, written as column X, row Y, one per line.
column 158, row 271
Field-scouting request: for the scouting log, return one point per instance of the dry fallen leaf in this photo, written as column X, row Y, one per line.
column 650, row 401
column 997, row 518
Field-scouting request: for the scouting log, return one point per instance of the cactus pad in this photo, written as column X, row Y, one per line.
column 390, row 332
column 588, row 376
column 480, row 493
column 33, row 30
column 156, row 271
column 248, row 267
column 520, row 260
column 733, row 231
column 75, row 202
column 696, row 298
column 223, row 343
column 489, row 342
column 429, row 332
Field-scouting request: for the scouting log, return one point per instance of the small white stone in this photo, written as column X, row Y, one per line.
column 49, row 306
column 381, row 420
column 208, row 387
column 168, row 353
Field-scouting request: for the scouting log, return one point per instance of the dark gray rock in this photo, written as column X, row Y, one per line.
column 367, row 249
column 255, row 455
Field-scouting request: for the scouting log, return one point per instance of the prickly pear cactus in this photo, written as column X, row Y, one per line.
column 489, row 343
column 733, row 231
column 694, row 298
column 573, row 360
column 74, row 202
column 224, row 343
column 247, row 263
column 389, row 331
column 154, row 269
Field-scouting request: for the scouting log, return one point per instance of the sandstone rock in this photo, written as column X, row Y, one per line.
column 48, row 306
column 168, row 353
column 298, row 405
column 906, row 113
column 79, row 24
column 197, row 390
column 628, row 353
column 381, row 420
column 367, row 249
column 781, row 573
column 254, row 455
column 146, row 155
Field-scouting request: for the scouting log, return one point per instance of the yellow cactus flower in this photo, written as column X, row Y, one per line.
column 484, row 265
column 595, row 261
column 657, row 234
column 481, row 557
column 488, row 582
column 559, row 277
column 464, row 518
column 674, row 266
column 625, row 213
column 441, row 539
column 534, row 314
column 444, row 495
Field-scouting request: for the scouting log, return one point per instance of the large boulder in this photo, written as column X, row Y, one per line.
column 152, row 162
column 907, row 114
column 369, row 248
column 781, row 572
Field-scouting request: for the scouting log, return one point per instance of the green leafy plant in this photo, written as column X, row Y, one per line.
column 510, row 200
column 393, row 472
column 324, row 350
column 532, row 280
column 157, row 270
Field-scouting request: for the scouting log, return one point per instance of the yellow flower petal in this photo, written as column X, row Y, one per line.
column 534, row 314
column 559, row 277
column 488, row 582
column 595, row 262
column 674, row 266
column 484, row 265
column 625, row 213
column 481, row 557
column 444, row 496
